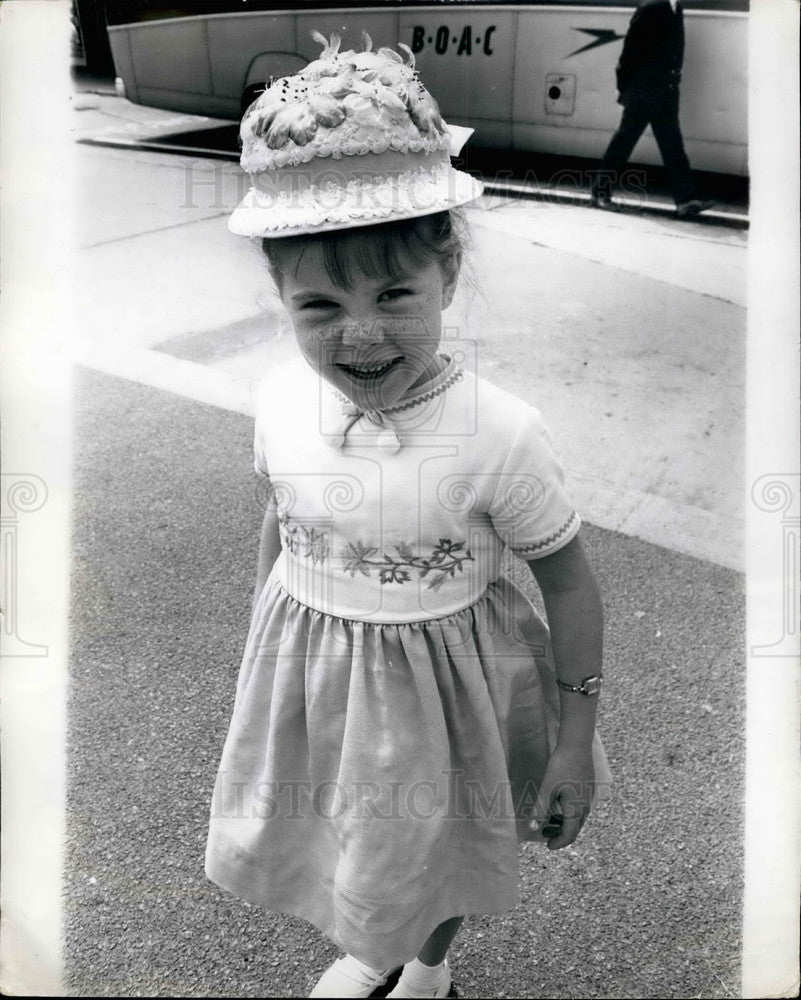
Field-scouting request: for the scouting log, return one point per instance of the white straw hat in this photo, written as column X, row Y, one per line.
column 354, row 139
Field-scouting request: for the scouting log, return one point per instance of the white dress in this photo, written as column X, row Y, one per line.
column 396, row 704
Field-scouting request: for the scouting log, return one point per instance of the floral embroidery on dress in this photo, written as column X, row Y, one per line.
column 445, row 559
column 312, row 543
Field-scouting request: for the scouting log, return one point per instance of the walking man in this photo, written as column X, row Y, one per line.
column 648, row 76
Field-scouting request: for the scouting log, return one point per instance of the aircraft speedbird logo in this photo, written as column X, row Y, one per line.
column 602, row 36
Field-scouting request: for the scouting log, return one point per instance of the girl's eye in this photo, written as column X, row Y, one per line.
column 319, row 304
column 395, row 293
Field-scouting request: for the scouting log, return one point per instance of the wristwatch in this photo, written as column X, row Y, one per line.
column 590, row 685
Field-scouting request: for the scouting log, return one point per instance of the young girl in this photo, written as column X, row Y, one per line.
column 403, row 717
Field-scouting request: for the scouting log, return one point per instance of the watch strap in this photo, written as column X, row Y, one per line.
column 589, row 686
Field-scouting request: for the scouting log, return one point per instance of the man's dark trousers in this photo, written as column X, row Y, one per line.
column 648, row 76
column 664, row 120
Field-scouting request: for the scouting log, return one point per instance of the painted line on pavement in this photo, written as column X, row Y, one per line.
column 161, row 371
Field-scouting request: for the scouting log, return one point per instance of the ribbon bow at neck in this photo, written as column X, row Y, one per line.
column 388, row 440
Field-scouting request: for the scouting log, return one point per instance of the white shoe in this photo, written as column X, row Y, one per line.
column 348, row 977
column 441, row 990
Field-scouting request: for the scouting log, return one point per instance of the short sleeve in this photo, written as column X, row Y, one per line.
column 530, row 509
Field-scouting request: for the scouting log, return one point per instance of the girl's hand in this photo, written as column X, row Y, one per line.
column 565, row 796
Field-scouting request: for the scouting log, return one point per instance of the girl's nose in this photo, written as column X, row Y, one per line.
column 367, row 331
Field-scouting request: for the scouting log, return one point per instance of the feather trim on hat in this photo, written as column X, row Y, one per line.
column 342, row 104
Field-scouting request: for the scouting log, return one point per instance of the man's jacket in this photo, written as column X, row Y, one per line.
column 649, row 68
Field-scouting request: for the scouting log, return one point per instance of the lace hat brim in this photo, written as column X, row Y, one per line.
column 346, row 204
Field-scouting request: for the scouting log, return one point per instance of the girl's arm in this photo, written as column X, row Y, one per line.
column 575, row 618
column 269, row 549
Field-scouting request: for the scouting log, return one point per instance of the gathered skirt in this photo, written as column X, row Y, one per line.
column 376, row 778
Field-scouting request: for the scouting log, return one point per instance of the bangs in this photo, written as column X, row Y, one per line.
column 384, row 251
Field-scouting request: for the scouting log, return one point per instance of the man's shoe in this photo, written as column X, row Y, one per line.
column 600, row 200
column 694, row 207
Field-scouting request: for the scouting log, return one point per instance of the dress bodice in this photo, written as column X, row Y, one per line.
column 403, row 515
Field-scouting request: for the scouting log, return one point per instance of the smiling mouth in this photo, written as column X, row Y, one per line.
column 365, row 373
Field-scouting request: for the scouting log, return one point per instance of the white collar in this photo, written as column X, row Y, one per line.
column 444, row 379
column 389, row 439
column 673, row 5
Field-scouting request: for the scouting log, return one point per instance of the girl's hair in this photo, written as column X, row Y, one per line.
column 375, row 251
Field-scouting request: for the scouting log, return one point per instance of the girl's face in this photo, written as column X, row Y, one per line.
column 374, row 339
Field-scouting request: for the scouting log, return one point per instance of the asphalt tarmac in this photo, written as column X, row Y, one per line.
column 647, row 903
